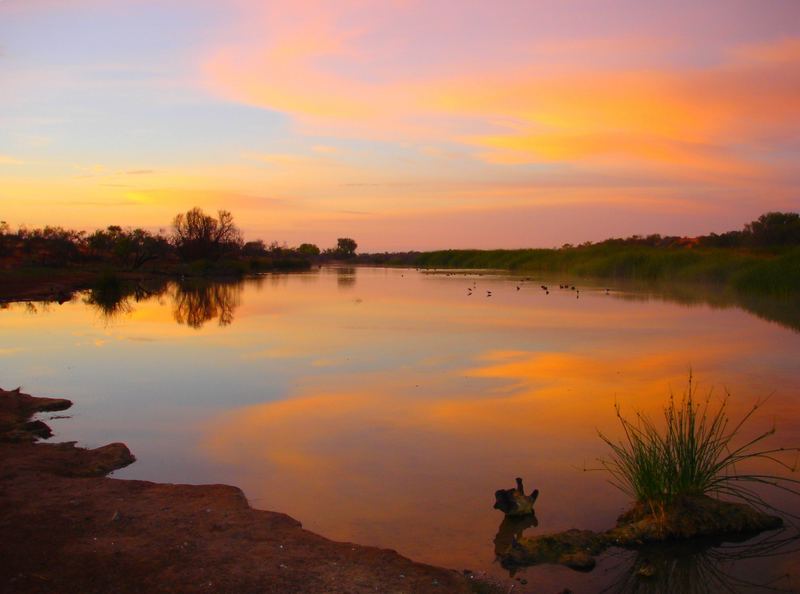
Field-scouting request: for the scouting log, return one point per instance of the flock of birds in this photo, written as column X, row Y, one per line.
column 545, row 288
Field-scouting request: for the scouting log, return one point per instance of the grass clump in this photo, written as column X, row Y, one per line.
column 697, row 452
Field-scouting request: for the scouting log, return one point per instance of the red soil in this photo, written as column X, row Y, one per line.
column 68, row 528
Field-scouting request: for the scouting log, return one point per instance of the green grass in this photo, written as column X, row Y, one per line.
column 745, row 271
column 698, row 451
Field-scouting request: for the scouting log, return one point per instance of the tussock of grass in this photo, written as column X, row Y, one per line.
column 697, row 452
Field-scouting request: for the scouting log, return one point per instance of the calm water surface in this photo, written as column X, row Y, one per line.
column 385, row 407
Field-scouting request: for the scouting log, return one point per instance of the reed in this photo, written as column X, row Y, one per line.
column 698, row 451
column 765, row 272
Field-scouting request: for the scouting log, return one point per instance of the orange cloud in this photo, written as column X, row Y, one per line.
column 686, row 120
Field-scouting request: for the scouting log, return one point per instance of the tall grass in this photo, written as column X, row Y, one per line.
column 699, row 451
column 775, row 272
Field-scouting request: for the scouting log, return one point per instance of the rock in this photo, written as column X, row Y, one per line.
column 103, row 460
column 38, row 429
column 579, row 561
column 573, row 548
column 690, row 517
column 687, row 518
column 16, row 408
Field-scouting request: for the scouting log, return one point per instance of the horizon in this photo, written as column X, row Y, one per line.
column 403, row 125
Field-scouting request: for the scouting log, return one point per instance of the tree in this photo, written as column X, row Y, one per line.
column 4, row 243
column 346, row 247
column 52, row 246
column 308, row 249
column 254, row 248
column 198, row 235
column 137, row 247
column 130, row 247
column 775, row 228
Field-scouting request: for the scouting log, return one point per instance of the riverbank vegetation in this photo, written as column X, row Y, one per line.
column 197, row 244
column 51, row 260
column 764, row 257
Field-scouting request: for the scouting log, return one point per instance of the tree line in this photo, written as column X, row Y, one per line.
column 194, row 236
column 770, row 230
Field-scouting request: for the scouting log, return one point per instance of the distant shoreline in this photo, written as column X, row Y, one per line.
column 774, row 272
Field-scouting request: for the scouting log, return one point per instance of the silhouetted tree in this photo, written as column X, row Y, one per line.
column 51, row 246
column 129, row 247
column 4, row 243
column 254, row 248
column 775, row 229
column 346, row 247
column 308, row 249
column 198, row 235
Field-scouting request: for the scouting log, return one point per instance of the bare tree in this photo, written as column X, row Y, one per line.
column 198, row 235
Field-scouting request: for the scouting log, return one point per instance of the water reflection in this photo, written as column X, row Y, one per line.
column 703, row 567
column 197, row 302
column 406, row 411
column 194, row 302
column 346, row 277
column 783, row 310
column 113, row 297
column 510, row 529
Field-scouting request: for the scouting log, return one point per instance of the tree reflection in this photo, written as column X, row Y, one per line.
column 113, row 298
column 197, row 302
column 782, row 309
column 345, row 277
column 194, row 302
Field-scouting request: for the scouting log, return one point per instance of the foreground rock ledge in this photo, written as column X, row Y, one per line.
column 687, row 518
column 64, row 527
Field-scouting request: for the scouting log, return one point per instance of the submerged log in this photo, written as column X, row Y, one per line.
column 514, row 502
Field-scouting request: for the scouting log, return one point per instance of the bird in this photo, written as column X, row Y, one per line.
column 517, row 287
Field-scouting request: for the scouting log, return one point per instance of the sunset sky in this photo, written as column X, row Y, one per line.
column 404, row 124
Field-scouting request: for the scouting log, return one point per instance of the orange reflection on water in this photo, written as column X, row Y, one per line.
column 413, row 466
column 388, row 408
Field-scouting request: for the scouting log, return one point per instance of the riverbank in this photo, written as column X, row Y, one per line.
column 43, row 283
column 774, row 272
column 67, row 527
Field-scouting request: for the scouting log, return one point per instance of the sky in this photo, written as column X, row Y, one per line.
column 403, row 124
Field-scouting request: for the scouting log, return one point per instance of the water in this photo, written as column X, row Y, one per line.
column 385, row 407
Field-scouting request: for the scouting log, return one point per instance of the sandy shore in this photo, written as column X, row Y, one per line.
column 67, row 527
